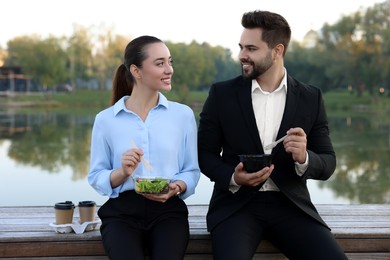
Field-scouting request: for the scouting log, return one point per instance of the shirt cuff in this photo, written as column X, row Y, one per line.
column 300, row 169
column 234, row 187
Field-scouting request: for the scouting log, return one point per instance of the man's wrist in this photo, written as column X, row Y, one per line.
column 301, row 168
column 233, row 181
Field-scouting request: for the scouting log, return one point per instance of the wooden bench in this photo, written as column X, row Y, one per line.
column 363, row 231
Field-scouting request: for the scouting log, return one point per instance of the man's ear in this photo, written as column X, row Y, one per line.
column 278, row 50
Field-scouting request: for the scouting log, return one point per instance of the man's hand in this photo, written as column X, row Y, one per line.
column 241, row 177
column 295, row 143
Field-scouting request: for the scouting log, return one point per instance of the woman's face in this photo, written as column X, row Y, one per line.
column 157, row 69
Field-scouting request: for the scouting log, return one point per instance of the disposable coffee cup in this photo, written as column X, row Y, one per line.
column 64, row 212
column 87, row 210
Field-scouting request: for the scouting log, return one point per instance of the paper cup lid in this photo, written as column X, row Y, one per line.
column 64, row 205
column 87, row 203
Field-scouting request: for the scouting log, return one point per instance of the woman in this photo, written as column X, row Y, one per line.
column 143, row 126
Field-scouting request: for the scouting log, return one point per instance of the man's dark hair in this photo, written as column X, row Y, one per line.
column 275, row 28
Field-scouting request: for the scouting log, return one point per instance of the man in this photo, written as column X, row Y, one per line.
column 242, row 116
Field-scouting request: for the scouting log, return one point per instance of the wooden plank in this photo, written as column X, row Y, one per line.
column 37, row 248
column 362, row 230
column 200, row 210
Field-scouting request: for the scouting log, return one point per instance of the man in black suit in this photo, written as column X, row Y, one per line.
column 242, row 116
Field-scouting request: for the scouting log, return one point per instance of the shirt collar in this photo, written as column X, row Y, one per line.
column 120, row 104
column 283, row 84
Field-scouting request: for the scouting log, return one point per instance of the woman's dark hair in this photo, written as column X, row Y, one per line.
column 275, row 28
column 135, row 53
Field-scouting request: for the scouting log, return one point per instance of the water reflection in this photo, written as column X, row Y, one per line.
column 363, row 151
column 58, row 144
column 49, row 141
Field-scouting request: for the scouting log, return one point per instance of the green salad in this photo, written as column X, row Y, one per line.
column 152, row 186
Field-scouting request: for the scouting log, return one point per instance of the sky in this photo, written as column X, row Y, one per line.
column 212, row 21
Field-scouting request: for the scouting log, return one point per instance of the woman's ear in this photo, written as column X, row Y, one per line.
column 135, row 71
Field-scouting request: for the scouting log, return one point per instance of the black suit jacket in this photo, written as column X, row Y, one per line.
column 227, row 124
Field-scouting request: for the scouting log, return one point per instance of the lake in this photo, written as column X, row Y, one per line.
column 44, row 159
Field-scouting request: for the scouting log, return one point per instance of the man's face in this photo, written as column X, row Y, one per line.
column 255, row 55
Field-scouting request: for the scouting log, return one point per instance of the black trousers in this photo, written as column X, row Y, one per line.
column 272, row 216
column 133, row 227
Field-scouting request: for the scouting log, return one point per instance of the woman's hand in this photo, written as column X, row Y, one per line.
column 174, row 190
column 130, row 160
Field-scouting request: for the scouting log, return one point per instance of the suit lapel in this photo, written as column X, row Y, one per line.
column 289, row 110
column 244, row 93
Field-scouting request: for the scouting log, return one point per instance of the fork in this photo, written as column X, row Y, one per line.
column 273, row 144
column 145, row 162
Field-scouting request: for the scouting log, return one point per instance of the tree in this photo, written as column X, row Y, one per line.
column 226, row 66
column 79, row 53
column 355, row 49
column 376, row 28
column 44, row 59
column 199, row 65
column 109, row 55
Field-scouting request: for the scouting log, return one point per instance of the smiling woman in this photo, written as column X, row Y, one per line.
column 139, row 126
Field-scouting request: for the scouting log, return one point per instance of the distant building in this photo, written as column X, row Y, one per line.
column 12, row 79
column 310, row 40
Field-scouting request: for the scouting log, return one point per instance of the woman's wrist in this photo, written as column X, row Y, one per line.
column 122, row 173
column 179, row 187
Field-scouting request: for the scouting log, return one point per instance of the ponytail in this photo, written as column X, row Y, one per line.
column 122, row 84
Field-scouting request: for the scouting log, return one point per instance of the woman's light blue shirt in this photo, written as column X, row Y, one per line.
column 168, row 138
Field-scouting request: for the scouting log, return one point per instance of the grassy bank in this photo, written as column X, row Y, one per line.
column 79, row 100
column 84, row 97
column 341, row 102
column 336, row 101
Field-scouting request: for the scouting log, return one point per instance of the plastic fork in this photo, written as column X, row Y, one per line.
column 145, row 162
column 273, row 144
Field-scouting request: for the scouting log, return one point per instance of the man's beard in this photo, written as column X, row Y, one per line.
column 259, row 68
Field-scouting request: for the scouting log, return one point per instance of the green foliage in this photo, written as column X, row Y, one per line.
column 335, row 100
column 197, row 66
column 345, row 101
column 352, row 53
column 79, row 52
column 45, row 60
column 346, row 104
